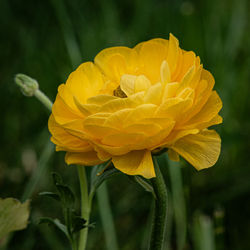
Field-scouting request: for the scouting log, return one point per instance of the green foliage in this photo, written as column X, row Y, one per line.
column 56, row 223
column 13, row 215
column 51, row 195
column 73, row 222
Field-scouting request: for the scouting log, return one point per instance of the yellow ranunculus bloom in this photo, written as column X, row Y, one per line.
column 130, row 102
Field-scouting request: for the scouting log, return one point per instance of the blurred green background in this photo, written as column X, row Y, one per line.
column 48, row 39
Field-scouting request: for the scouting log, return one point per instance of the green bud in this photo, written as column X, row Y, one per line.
column 27, row 84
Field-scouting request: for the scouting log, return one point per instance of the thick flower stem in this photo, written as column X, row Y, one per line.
column 85, row 206
column 160, row 210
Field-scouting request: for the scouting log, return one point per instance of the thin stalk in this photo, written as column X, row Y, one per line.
column 160, row 210
column 39, row 172
column 203, row 232
column 85, row 206
column 68, row 33
column 106, row 217
column 43, row 99
column 178, row 200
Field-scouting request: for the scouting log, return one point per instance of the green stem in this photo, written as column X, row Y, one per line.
column 85, row 206
column 43, row 99
column 160, row 210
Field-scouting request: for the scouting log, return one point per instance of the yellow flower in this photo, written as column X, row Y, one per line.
column 130, row 102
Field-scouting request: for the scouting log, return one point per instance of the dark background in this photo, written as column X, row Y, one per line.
column 49, row 39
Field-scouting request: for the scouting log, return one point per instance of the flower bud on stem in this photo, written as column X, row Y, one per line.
column 30, row 87
column 160, row 210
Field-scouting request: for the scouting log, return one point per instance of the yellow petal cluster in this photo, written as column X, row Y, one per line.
column 130, row 102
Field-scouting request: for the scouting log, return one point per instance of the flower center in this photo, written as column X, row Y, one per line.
column 119, row 93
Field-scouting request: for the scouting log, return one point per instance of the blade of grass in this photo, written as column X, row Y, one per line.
column 107, row 217
column 203, row 233
column 178, row 201
column 169, row 226
column 68, row 32
column 236, row 28
column 39, row 171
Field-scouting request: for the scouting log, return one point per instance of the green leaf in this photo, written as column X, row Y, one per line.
column 13, row 215
column 54, row 222
column 66, row 195
column 51, row 195
column 98, row 179
column 145, row 184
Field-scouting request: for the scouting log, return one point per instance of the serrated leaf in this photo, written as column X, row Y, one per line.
column 66, row 195
column 13, row 215
column 51, row 195
column 54, row 222
column 97, row 180
column 145, row 184
column 57, row 178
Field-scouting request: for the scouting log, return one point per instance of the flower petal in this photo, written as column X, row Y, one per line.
column 201, row 150
column 188, row 60
column 208, row 112
column 127, row 84
column 65, row 140
column 63, row 113
column 148, row 129
column 135, row 163
column 173, row 156
column 173, row 53
column 123, row 139
column 117, row 61
column 139, row 113
column 153, row 94
column 165, row 72
column 151, row 56
column 170, row 90
column 214, row 121
column 85, row 81
column 122, row 103
column 83, row 158
column 101, row 99
column 174, row 108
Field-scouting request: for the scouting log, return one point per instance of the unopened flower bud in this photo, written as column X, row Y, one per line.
column 27, row 84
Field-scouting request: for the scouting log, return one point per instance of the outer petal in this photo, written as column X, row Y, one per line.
column 201, row 150
column 135, row 163
column 173, row 156
column 151, row 56
column 173, row 52
column 86, row 81
column 117, row 61
column 83, row 158
column 62, row 112
column 207, row 113
column 65, row 140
